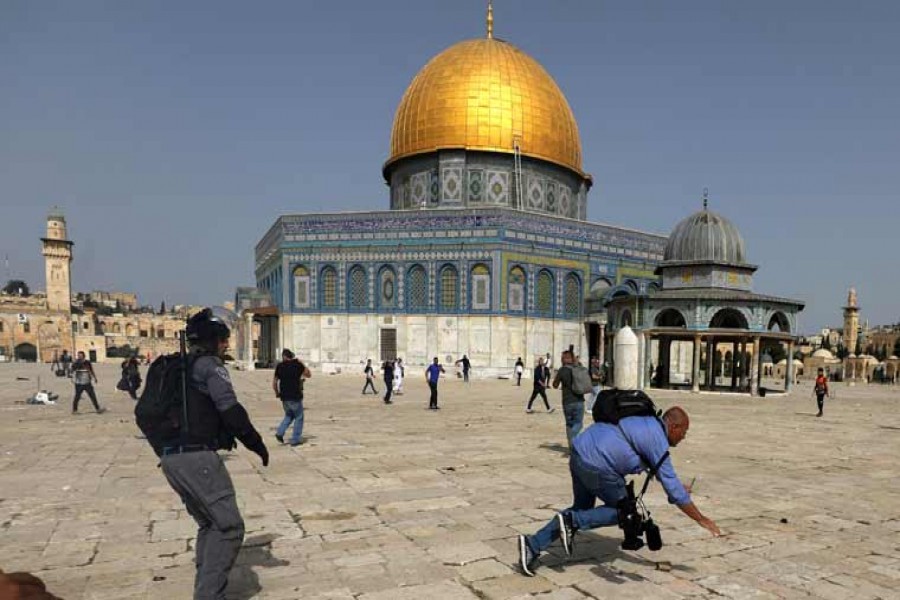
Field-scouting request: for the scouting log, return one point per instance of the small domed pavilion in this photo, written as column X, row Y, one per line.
column 703, row 327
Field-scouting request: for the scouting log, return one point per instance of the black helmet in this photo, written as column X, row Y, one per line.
column 204, row 327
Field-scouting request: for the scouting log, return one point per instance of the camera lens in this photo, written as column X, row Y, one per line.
column 654, row 538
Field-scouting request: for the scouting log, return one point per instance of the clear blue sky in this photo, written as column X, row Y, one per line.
column 173, row 133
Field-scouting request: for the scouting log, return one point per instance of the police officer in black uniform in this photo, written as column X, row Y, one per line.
column 194, row 469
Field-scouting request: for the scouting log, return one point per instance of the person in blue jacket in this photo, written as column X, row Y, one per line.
column 601, row 458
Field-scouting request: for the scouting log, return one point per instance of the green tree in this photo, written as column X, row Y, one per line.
column 897, row 347
column 841, row 352
column 826, row 342
column 162, row 308
column 16, row 287
column 776, row 351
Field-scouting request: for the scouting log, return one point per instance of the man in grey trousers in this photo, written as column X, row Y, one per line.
column 191, row 464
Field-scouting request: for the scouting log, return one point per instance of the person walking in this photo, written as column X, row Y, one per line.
column 131, row 377
column 370, row 378
column 387, row 367
column 541, row 379
column 188, row 453
column 820, row 389
column 432, row 376
column 466, row 365
column 83, row 372
column 519, row 369
column 288, row 385
column 573, row 404
column 601, row 458
column 398, row 377
column 66, row 362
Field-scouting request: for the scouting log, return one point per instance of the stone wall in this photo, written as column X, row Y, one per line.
column 492, row 343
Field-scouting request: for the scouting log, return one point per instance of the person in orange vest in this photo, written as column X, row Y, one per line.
column 821, row 390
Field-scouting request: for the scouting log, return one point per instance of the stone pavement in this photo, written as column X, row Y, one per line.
column 397, row 502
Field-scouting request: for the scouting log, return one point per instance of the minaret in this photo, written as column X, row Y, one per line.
column 57, row 259
column 851, row 322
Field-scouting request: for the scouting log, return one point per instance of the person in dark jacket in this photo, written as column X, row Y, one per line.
column 131, row 377
column 190, row 461
column 387, row 368
column 541, row 380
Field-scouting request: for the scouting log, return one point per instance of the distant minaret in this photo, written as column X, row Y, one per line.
column 57, row 259
column 851, row 322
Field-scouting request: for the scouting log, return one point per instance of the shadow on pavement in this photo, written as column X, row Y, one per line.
column 243, row 583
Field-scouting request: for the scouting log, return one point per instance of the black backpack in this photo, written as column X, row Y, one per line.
column 159, row 411
column 613, row 405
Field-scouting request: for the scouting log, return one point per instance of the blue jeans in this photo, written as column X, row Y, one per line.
column 595, row 389
column 293, row 411
column 588, row 484
column 574, row 413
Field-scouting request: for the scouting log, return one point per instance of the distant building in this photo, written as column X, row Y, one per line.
column 39, row 327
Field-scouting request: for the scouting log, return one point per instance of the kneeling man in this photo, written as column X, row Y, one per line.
column 601, row 458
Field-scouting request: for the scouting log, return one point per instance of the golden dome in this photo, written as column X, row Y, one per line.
column 485, row 94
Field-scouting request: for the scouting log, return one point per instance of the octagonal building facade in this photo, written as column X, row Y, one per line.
column 485, row 249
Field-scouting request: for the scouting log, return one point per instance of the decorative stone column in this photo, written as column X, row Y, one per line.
column 695, row 368
column 756, row 366
column 641, row 361
column 789, row 371
column 602, row 342
column 250, row 365
column 648, row 372
column 745, row 371
column 734, row 353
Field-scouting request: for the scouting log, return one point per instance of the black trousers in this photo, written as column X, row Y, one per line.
column 534, row 394
column 820, row 400
column 370, row 383
column 388, row 390
column 432, row 402
column 466, row 375
column 90, row 392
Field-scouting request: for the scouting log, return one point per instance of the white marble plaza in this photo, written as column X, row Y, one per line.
column 397, row 502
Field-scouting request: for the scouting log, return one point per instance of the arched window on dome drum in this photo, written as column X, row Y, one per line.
column 516, row 292
column 358, row 288
column 301, row 287
column 387, row 288
column 572, row 295
column 449, row 289
column 481, row 287
column 329, row 287
column 543, row 300
column 417, row 288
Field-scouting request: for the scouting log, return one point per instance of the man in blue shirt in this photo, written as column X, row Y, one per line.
column 432, row 375
column 601, row 458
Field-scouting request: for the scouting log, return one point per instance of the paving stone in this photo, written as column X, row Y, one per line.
column 366, row 510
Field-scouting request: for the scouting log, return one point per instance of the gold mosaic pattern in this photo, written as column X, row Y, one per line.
column 482, row 94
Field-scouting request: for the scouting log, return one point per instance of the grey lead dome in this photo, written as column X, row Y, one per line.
column 705, row 237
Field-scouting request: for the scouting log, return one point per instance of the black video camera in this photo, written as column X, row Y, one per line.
column 636, row 522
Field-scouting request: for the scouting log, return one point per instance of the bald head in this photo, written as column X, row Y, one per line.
column 677, row 423
column 677, row 416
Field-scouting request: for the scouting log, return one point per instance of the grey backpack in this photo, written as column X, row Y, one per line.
column 581, row 380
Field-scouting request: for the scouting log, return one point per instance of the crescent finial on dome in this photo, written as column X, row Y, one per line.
column 490, row 20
